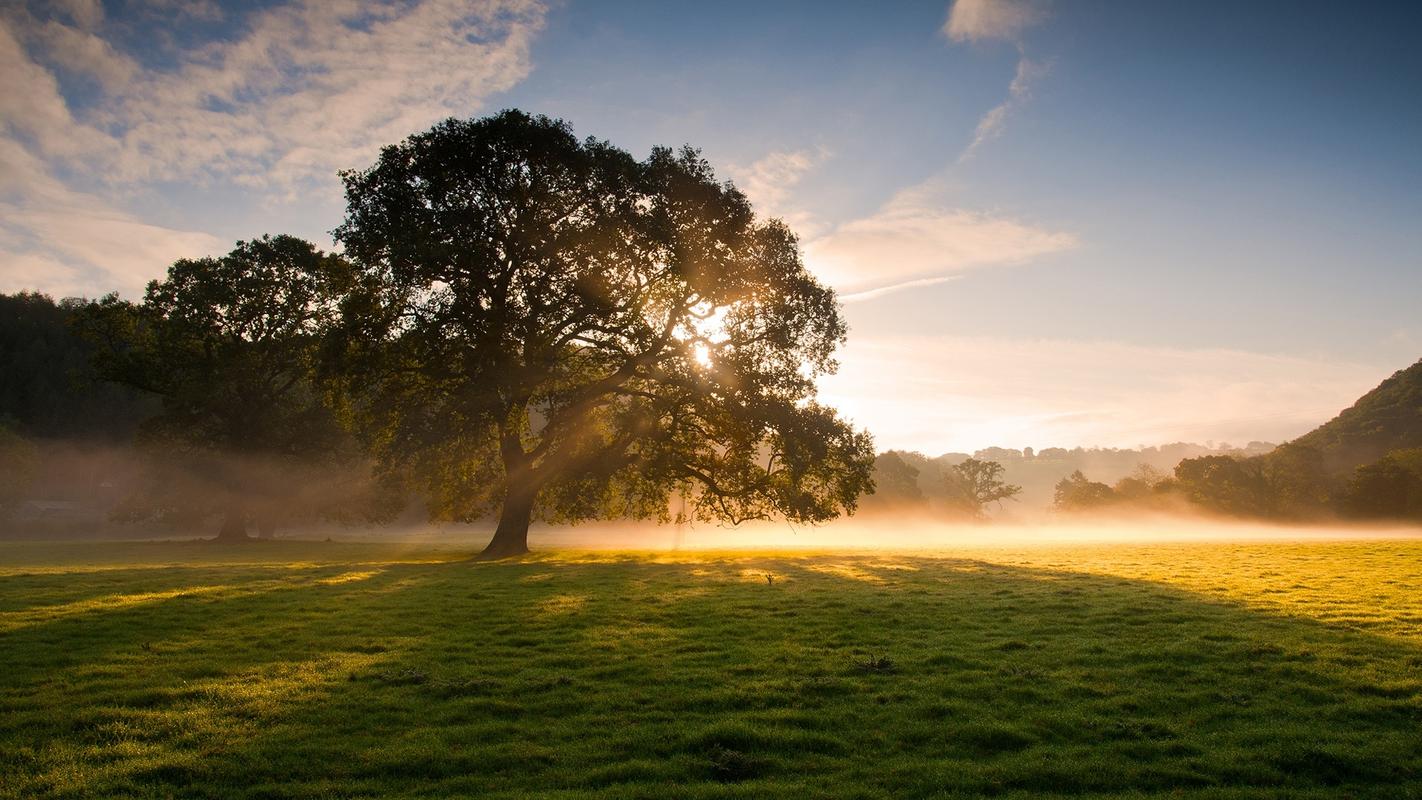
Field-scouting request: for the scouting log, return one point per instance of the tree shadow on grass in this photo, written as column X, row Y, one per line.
column 617, row 678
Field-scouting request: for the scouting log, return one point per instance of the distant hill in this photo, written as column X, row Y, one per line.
column 1385, row 419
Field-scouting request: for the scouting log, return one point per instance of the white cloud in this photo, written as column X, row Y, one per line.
column 944, row 393
column 64, row 242
column 917, row 238
column 768, row 180
column 317, row 86
column 305, row 89
column 975, row 20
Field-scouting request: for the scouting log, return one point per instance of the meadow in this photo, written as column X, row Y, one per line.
column 330, row 669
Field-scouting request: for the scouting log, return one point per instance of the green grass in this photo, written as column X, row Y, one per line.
column 294, row 669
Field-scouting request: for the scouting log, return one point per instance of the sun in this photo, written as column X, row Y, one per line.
column 702, row 353
column 705, row 330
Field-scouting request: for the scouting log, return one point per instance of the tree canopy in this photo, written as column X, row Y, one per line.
column 550, row 326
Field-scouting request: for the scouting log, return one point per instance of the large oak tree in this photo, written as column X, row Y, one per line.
column 554, row 328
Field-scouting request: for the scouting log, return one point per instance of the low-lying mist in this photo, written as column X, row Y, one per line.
column 891, row 532
column 89, row 491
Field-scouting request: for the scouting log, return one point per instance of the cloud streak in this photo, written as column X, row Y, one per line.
column 870, row 294
column 917, row 239
column 991, row 124
column 1004, row 20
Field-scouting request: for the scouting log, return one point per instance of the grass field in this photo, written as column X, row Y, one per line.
column 308, row 669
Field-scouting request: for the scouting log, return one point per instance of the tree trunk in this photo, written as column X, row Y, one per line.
column 234, row 526
column 511, row 537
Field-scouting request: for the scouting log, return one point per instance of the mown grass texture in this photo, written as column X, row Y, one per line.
column 313, row 669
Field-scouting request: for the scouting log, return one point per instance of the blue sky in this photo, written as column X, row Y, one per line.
column 1053, row 223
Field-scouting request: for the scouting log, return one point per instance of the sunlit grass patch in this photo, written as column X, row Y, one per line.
column 850, row 571
column 562, row 604
column 348, row 577
column 1210, row 670
column 36, row 615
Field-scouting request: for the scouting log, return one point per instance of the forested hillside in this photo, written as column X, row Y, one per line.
column 1387, row 418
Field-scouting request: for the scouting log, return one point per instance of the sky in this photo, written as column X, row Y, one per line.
column 1072, row 223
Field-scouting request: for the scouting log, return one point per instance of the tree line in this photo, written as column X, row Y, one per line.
column 1290, row 484
column 1365, row 463
column 519, row 323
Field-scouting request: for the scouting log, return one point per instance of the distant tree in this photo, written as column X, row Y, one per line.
column 49, row 389
column 1077, row 493
column 552, row 328
column 1296, row 480
column 18, row 460
column 972, row 484
column 1389, row 488
column 230, row 346
column 895, row 480
column 1226, row 484
column 1140, row 485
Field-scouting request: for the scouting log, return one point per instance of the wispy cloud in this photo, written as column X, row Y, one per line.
column 64, row 242
column 1004, row 20
column 918, row 238
column 298, row 91
column 32, row 109
column 976, row 20
column 991, row 124
column 769, row 182
column 314, row 87
column 943, row 393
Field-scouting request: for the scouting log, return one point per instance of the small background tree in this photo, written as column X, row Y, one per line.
column 973, row 484
column 1076, row 492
